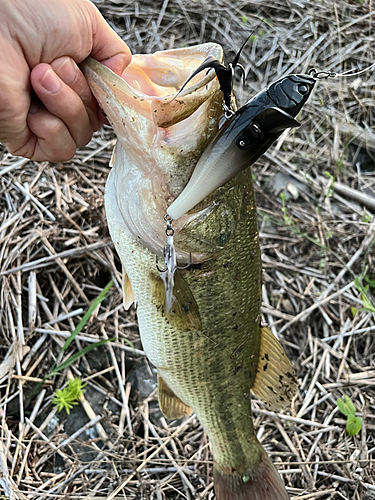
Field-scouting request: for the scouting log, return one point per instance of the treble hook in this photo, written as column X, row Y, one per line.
column 224, row 75
column 170, row 261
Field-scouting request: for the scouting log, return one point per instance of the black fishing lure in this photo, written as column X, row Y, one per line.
column 246, row 135
column 244, row 138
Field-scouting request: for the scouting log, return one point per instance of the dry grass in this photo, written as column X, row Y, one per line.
column 56, row 257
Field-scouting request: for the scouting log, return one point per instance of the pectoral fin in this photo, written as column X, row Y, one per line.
column 275, row 383
column 127, row 291
column 171, row 406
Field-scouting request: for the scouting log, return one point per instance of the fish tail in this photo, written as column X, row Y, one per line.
column 261, row 481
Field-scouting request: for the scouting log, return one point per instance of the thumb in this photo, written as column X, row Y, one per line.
column 108, row 48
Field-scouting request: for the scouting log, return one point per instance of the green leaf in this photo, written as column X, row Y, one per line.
column 370, row 282
column 87, row 315
column 79, row 327
column 244, row 19
column 353, row 425
column 346, row 406
column 78, row 355
column 367, row 304
column 366, row 218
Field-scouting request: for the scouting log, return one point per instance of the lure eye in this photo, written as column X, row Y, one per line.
column 302, row 89
column 241, row 144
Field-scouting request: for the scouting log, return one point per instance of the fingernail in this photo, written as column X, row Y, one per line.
column 67, row 71
column 117, row 63
column 33, row 108
column 51, row 81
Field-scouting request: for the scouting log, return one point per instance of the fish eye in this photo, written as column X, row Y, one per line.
column 302, row 89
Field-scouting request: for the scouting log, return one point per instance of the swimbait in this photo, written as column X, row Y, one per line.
column 244, row 138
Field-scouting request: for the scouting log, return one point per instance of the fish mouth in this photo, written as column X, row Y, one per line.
column 153, row 80
column 160, row 139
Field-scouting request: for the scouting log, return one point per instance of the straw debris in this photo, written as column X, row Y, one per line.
column 316, row 199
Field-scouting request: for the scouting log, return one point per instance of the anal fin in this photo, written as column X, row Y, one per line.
column 275, row 382
column 128, row 297
column 171, row 406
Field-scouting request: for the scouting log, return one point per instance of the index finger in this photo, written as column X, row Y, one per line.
column 108, row 48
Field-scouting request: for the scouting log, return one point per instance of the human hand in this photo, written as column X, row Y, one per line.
column 46, row 106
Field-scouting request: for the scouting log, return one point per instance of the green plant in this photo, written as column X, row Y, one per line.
column 56, row 368
column 288, row 221
column 68, row 397
column 347, row 408
column 371, row 283
column 331, row 188
column 366, row 218
column 366, row 301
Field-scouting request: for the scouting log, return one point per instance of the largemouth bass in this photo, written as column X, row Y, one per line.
column 209, row 349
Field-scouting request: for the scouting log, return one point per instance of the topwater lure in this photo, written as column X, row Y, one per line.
column 252, row 129
column 246, row 135
column 244, row 138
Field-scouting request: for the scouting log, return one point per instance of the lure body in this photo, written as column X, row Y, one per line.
column 244, row 138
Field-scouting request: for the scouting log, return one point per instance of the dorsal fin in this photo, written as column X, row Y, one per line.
column 275, row 382
column 171, row 406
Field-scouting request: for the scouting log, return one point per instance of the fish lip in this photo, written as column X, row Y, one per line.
column 92, row 65
column 136, row 85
